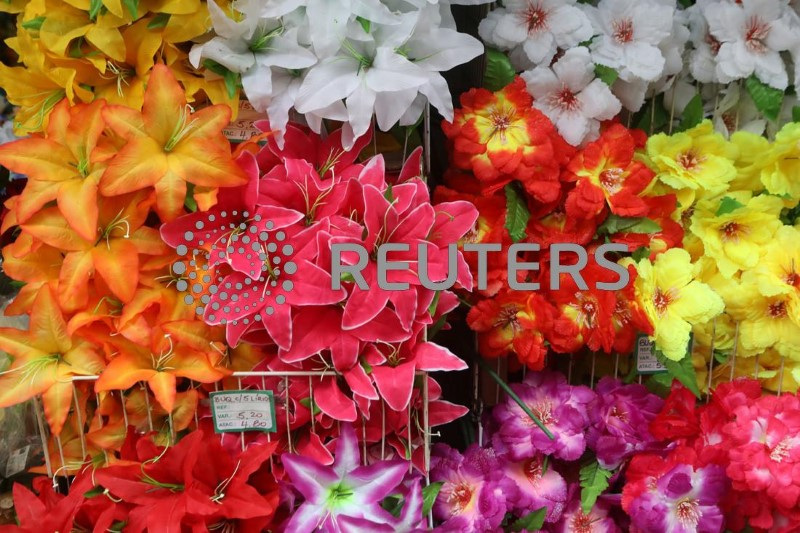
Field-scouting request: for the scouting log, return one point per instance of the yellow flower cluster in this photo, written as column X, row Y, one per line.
column 738, row 204
column 89, row 49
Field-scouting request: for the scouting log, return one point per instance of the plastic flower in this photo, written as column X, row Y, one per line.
column 562, row 408
column 621, row 416
column 538, row 486
column 597, row 520
column 695, row 163
column 499, row 137
column 751, row 35
column 674, row 497
column 345, row 495
column 606, row 174
column 629, row 34
column 512, row 322
column 168, row 145
column 734, row 238
column 674, row 300
column 44, row 359
column 783, row 162
column 778, row 269
column 538, row 27
column 570, row 95
column 475, row 494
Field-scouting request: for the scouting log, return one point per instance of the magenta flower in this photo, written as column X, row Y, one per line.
column 561, row 407
column 682, row 500
column 621, row 416
column 476, row 493
column 537, row 487
column 598, row 520
column 344, row 497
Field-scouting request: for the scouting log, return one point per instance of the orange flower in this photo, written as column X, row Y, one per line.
column 169, row 145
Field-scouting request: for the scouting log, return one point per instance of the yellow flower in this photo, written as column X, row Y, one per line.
column 773, row 371
column 751, row 148
column 782, row 165
column 695, row 163
column 778, row 270
column 764, row 321
column 674, row 300
column 735, row 227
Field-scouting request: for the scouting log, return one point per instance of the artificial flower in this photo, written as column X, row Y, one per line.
column 781, row 162
column 570, row 95
column 538, row 486
column 538, row 27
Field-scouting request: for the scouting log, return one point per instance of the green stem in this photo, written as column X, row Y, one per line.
column 513, row 396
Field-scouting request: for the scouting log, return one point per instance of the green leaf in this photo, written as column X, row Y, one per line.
column 159, row 21
column 389, row 194
column 365, row 24
column 94, row 8
column 640, row 253
column 118, row 526
column 607, row 74
column 721, row 357
column 133, row 7
column 692, row 114
column 531, row 521
column 33, row 24
column 97, row 491
column 309, row 404
column 594, row 480
column 189, row 202
column 393, row 504
column 517, row 213
column 659, row 384
column 796, row 113
column 499, row 71
column 686, row 3
column 728, row 205
column 616, row 224
column 768, row 100
column 231, row 78
column 682, row 370
column 429, row 495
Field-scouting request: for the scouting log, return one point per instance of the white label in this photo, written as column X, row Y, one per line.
column 646, row 362
column 17, row 461
column 243, row 128
column 238, row 411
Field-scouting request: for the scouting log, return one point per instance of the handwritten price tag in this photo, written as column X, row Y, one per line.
column 646, row 362
column 237, row 411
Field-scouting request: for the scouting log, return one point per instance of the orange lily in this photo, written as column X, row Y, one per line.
column 169, row 145
column 44, row 360
column 112, row 253
column 60, row 166
column 37, row 266
column 160, row 365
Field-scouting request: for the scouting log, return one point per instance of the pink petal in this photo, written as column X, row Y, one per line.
column 441, row 412
column 332, row 401
column 359, row 383
column 395, row 383
column 431, row 357
column 412, row 168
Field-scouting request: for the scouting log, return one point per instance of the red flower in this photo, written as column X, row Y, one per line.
column 606, row 174
column 678, row 418
column 660, row 210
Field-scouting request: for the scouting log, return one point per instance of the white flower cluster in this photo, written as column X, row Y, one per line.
column 344, row 60
column 649, row 45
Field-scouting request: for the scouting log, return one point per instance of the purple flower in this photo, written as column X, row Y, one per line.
column 575, row 521
column 620, row 420
column 344, row 497
column 476, row 493
column 561, row 407
column 683, row 500
column 537, row 488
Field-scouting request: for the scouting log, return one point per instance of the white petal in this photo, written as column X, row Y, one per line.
column 597, row 101
column 541, row 82
column 540, row 48
column 278, row 8
column 231, row 54
column 360, row 106
column 390, row 106
column 443, row 50
column 510, row 28
column 771, row 70
column 570, row 26
column 326, row 83
column 412, row 114
column 725, row 21
column 373, row 11
column 392, row 72
column 327, row 20
column 630, row 93
column 573, row 127
column 226, row 27
column 643, row 61
column 284, row 52
column 438, row 95
column 605, row 51
column 734, row 61
column 257, row 85
column 575, row 68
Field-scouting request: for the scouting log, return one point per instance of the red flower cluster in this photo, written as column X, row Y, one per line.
column 755, row 438
column 553, row 193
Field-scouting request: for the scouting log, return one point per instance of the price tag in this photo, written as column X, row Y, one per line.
column 238, row 411
column 243, row 127
column 646, row 362
column 17, row 461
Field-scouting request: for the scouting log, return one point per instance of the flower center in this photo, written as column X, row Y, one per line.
column 622, row 30
column 533, row 471
column 338, row 494
column 535, row 18
column 587, row 311
column 582, row 523
column 543, row 411
column 781, row 451
column 688, row 512
column 661, row 301
column 501, row 120
column 689, row 160
column 507, row 317
column 622, row 314
column 792, row 278
column 731, row 231
column 460, row 497
column 713, row 43
column 619, row 414
column 611, row 179
column 756, row 32
column 565, row 99
column 777, row 310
